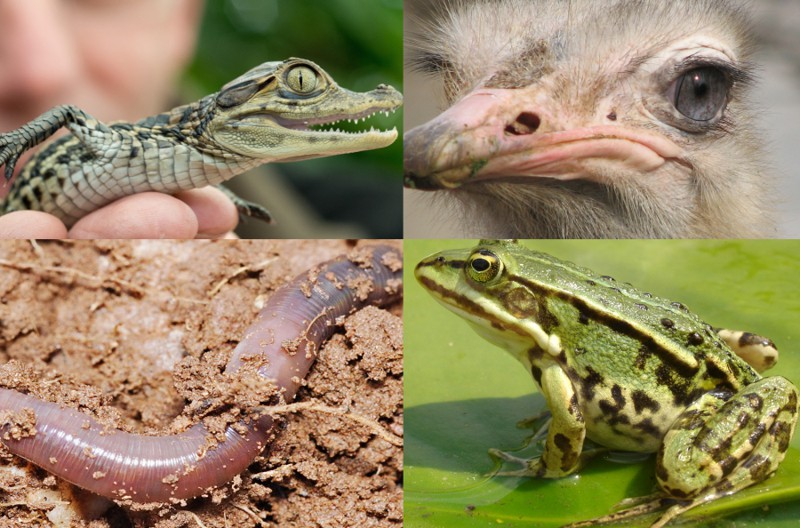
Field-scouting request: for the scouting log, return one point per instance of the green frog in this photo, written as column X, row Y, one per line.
column 627, row 370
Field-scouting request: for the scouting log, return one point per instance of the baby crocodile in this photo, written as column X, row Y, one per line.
column 267, row 114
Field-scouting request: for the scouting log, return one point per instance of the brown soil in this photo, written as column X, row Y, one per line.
column 132, row 332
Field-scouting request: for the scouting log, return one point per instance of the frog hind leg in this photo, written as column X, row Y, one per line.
column 722, row 443
column 726, row 442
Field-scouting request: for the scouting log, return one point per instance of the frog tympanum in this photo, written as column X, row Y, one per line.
column 627, row 370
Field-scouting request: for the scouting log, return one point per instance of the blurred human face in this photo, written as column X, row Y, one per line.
column 116, row 59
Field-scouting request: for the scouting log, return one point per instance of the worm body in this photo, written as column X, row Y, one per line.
column 297, row 318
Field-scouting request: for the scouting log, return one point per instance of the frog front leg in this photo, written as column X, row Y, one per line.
column 725, row 442
column 564, row 445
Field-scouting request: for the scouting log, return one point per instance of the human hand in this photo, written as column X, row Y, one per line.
column 199, row 213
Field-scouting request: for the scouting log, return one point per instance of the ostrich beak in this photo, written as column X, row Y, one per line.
column 500, row 133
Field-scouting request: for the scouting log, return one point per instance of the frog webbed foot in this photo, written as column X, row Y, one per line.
column 535, row 466
column 529, row 467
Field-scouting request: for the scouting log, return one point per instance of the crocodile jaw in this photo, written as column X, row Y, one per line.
column 276, row 132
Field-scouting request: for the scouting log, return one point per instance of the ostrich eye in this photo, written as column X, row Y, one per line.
column 701, row 94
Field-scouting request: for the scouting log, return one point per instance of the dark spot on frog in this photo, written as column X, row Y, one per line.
column 769, row 362
column 546, row 319
column 642, row 401
column 608, row 278
column 661, row 471
column 641, row 357
column 592, row 379
column 647, row 294
column 747, row 339
column 733, row 367
column 537, row 374
column 674, row 492
column 678, row 385
column 612, row 116
column 756, row 435
column 690, row 420
column 667, row 323
column 728, row 463
column 583, row 318
column 574, row 409
column 591, row 282
column 641, row 306
column 680, row 306
column 648, row 427
column 569, row 456
column 791, row 403
column 743, row 420
column 690, row 396
column 562, row 442
column 535, row 354
column 783, row 433
column 619, row 419
column 724, row 486
column 562, row 357
column 716, row 452
column 613, row 409
column 616, row 393
column 755, row 401
column 759, row 467
column 695, row 339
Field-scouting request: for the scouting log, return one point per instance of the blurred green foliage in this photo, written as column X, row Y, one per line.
column 358, row 42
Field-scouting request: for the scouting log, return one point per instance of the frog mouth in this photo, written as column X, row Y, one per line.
column 475, row 141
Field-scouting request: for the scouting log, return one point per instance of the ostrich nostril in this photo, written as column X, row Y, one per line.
column 526, row 123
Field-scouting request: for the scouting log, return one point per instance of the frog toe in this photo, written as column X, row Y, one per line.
column 529, row 467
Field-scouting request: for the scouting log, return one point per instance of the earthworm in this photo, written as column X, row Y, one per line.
column 288, row 330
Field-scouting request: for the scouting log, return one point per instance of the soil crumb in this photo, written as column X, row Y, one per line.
column 136, row 334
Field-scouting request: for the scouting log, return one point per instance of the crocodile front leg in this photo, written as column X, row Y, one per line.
column 14, row 143
column 246, row 208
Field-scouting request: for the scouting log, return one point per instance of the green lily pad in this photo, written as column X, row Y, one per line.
column 465, row 396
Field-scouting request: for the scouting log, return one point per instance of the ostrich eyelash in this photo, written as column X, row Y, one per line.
column 735, row 73
column 429, row 62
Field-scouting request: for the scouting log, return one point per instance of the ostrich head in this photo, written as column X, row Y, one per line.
column 592, row 118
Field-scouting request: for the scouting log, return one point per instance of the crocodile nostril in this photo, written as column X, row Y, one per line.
column 526, row 123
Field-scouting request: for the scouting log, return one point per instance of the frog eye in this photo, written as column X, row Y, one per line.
column 483, row 266
column 301, row 79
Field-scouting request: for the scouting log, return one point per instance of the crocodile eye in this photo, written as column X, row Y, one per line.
column 483, row 266
column 701, row 94
column 302, row 79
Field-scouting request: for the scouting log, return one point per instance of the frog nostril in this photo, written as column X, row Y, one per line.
column 526, row 123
